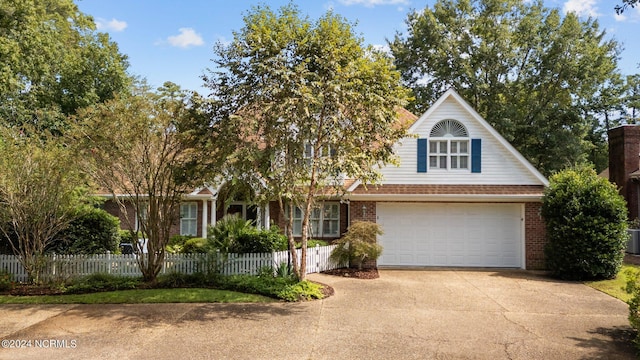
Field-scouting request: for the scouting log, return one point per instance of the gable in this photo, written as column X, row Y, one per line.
column 488, row 159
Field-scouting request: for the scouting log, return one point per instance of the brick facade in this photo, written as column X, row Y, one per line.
column 535, row 236
column 624, row 157
column 363, row 211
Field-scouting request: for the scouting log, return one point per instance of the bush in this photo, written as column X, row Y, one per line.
column 633, row 288
column 223, row 235
column 233, row 235
column 195, row 246
column 259, row 241
column 102, row 282
column 586, row 222
column 6, row 283
column 359, row 244
column 312, row 243
column 176, row 243
column 94, row 231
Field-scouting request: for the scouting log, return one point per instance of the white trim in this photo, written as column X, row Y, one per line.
column 523, row 234
column 205, row 215
column 445, row 197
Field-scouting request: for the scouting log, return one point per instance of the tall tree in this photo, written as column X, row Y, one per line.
column 632, row 99
column 298, row 106
column 539, row 78
column 141, row 149
column 39, row 194
column 52, row 62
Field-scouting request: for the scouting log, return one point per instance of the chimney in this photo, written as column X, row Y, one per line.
column 624, row 159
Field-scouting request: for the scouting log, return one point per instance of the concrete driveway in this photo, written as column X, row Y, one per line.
column 426, row 314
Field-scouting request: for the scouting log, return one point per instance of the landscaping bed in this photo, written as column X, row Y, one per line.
column 354, row 273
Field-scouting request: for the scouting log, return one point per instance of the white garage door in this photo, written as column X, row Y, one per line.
column 444, row 234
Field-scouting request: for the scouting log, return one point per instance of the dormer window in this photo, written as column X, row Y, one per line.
column 449, row 146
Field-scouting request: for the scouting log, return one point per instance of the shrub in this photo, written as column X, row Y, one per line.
column 6, row 283
column 194, row 246
column 176, row 243
column 359, row 244
column 259, row 241
column 94, row 231
column 223, row 235
column 586, row 222
column 633, row 288
column 233, row 235
column 102, row 282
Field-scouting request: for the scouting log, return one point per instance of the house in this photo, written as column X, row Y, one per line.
column 461, row 196
column 624, row 164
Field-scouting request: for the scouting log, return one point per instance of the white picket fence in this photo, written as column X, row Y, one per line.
column 68, row 266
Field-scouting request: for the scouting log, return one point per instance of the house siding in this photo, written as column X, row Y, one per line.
column 499, row 166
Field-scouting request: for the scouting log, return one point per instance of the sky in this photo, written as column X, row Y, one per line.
column 171, row 40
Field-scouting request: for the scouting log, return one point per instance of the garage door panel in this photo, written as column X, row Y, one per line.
column 447, row 234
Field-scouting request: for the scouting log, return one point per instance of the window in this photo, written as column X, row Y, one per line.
column 244, row 210
column 189, row 219
column 324, row 220
column 449, row 146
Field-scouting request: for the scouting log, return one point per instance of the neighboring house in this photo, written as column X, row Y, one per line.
column 624, row 164
column 461, row 196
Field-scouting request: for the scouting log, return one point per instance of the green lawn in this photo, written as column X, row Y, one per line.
column 189, row 295
column 615, row 287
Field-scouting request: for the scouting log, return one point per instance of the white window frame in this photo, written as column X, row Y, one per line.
column 189, row 219
column 318, row 221
column 445, row 158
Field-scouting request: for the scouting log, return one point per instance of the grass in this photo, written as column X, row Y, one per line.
column 615, row 287
column 189, row 295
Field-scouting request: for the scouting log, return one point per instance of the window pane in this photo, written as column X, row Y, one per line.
column 433, row 147
column 315, row 224
column 464, row 162
column 454, row 147
column 433, row 161
column 298, row 213
column 464, row 147
column 443, row 147
column 297, row 227
column 443, row 162
column 454, row 162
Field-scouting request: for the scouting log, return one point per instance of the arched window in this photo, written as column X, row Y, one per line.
column 449, row 146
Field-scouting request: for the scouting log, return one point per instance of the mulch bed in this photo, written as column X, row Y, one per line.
column 24, row 289
column 354, row 273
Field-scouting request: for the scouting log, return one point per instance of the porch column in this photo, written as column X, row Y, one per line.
column 259, row 217
column 205, row 216
column 267, row 217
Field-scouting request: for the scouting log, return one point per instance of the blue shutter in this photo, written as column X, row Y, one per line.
column 422, row 155
column 476, row 155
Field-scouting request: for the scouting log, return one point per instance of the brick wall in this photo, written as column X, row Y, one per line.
column 363, row 211
column 535, row 236
column 624, row 156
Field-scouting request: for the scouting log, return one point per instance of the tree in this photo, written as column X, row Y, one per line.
column 632, row 99
column 300, row 105
column 586, row 222
column 543, row 81
column 358, row 245
column 53, row 63
column 40, row 186
column 143, row 153
column 626, row 4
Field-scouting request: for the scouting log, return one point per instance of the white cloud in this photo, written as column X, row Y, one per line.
column 581, row 7
column 113, row 25
column 383, row 48
column 187, row 38
column 620, row 17
column 372, row 3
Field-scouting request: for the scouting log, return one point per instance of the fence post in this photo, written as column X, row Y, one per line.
column 108, row 262
column 53, row 262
